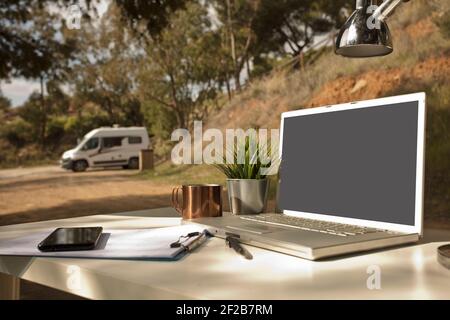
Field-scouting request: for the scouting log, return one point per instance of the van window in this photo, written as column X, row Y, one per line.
column 134, row 140
column 91, row 144
column 112, row 142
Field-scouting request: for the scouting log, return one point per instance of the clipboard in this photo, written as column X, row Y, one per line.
column 121, row 244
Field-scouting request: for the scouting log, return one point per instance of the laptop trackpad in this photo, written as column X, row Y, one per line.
column 254, row 228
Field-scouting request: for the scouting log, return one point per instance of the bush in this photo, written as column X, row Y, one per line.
column 6, row 154
column 17, row 132
column 55, row 132
column 77, row 126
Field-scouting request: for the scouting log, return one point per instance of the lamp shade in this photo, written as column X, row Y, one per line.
column 359, row 39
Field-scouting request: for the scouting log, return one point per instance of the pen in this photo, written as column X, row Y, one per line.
column 202, row 237
column 191, row 241
column 234, row 243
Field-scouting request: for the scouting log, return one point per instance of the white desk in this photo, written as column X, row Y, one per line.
column 217, row 272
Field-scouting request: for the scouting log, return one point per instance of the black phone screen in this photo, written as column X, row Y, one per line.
column 70, row 239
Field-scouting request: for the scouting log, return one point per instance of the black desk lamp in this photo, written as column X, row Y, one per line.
column 366, row 33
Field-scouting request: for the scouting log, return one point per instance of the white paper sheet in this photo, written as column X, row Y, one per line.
column 134, row 244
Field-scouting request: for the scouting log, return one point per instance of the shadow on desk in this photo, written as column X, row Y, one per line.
column 87, row 207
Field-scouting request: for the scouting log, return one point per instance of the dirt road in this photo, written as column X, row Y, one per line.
column 43, row 193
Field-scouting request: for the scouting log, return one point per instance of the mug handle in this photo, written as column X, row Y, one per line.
column 175, row 202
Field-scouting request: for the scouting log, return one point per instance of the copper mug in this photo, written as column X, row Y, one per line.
column 198, row 200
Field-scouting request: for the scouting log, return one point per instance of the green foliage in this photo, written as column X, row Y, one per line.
column 247, row 167
column 177, row 76
column 5, row 103
column 152, row 15
column 106, row 74
column 159, row 122
column 289, row 26
column 55, row 132
column 29, row 46
column 17, row 132
column 262, row 66
column 77, row 126
column 33, row 113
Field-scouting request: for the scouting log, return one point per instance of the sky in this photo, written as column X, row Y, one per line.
column 18, row 89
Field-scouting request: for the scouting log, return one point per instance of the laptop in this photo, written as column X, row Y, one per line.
column 351, row 180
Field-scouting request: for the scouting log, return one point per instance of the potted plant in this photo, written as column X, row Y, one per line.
column 247, row 182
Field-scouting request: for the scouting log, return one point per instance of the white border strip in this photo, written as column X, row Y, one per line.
column 418, row 224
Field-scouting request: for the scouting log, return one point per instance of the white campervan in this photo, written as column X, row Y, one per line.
column 108, row 147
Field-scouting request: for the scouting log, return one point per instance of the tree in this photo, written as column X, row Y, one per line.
column 35, row 44
column 149, row 18
column 28, row 41
column 53, row 72
column 5, row 103
column 180, row 71
column 39, row 121
column 290, row 26
column 106, row 72
column 31, row 113
column 255, row 30
column 237, row 18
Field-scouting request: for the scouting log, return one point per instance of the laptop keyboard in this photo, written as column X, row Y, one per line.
column 339, row 229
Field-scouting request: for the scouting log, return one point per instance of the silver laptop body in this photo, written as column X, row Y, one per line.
column 351, row 179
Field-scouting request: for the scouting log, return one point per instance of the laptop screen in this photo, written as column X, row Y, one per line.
column 358, row 163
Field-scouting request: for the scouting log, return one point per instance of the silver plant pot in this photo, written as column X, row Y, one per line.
column 247, row 196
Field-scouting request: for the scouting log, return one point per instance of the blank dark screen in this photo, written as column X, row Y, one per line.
column 358, row 163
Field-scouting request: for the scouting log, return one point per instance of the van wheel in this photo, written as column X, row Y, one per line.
column 79, row 166
column 133, row 163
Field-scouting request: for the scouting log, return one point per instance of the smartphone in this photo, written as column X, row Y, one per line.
column 71, row 239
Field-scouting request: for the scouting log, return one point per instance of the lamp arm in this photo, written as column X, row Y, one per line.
column 386, row 8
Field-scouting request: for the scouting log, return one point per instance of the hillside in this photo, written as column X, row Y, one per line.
column 421, row 59
column 420, row 62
